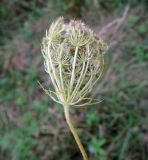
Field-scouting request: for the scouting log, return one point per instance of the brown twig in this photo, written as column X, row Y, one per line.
column 110, row 32
column 114, row 26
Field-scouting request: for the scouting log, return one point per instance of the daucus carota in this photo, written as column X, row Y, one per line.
column 74, row 59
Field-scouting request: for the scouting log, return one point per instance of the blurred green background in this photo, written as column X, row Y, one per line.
column 32, row 126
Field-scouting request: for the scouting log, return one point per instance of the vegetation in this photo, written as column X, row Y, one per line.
column 32, row 126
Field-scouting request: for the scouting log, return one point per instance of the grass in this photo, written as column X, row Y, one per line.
column 29, row 120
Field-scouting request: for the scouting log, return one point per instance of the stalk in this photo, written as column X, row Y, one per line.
column 74, row 132
column 73, row 76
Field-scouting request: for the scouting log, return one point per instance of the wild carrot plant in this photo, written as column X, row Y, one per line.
column 74, row 60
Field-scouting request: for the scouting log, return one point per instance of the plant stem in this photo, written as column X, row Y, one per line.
column 74, row 132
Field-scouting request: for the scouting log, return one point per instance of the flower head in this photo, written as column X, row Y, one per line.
column 74, row 59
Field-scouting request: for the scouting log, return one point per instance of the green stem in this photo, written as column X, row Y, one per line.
column 74, row 132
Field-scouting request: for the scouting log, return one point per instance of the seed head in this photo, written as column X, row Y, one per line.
column 74, row 59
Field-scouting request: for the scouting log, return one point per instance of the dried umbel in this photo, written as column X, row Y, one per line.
column 74, row 59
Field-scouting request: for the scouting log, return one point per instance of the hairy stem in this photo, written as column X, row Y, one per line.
column 74, row 132
column 52, row 67
column 73, row 68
